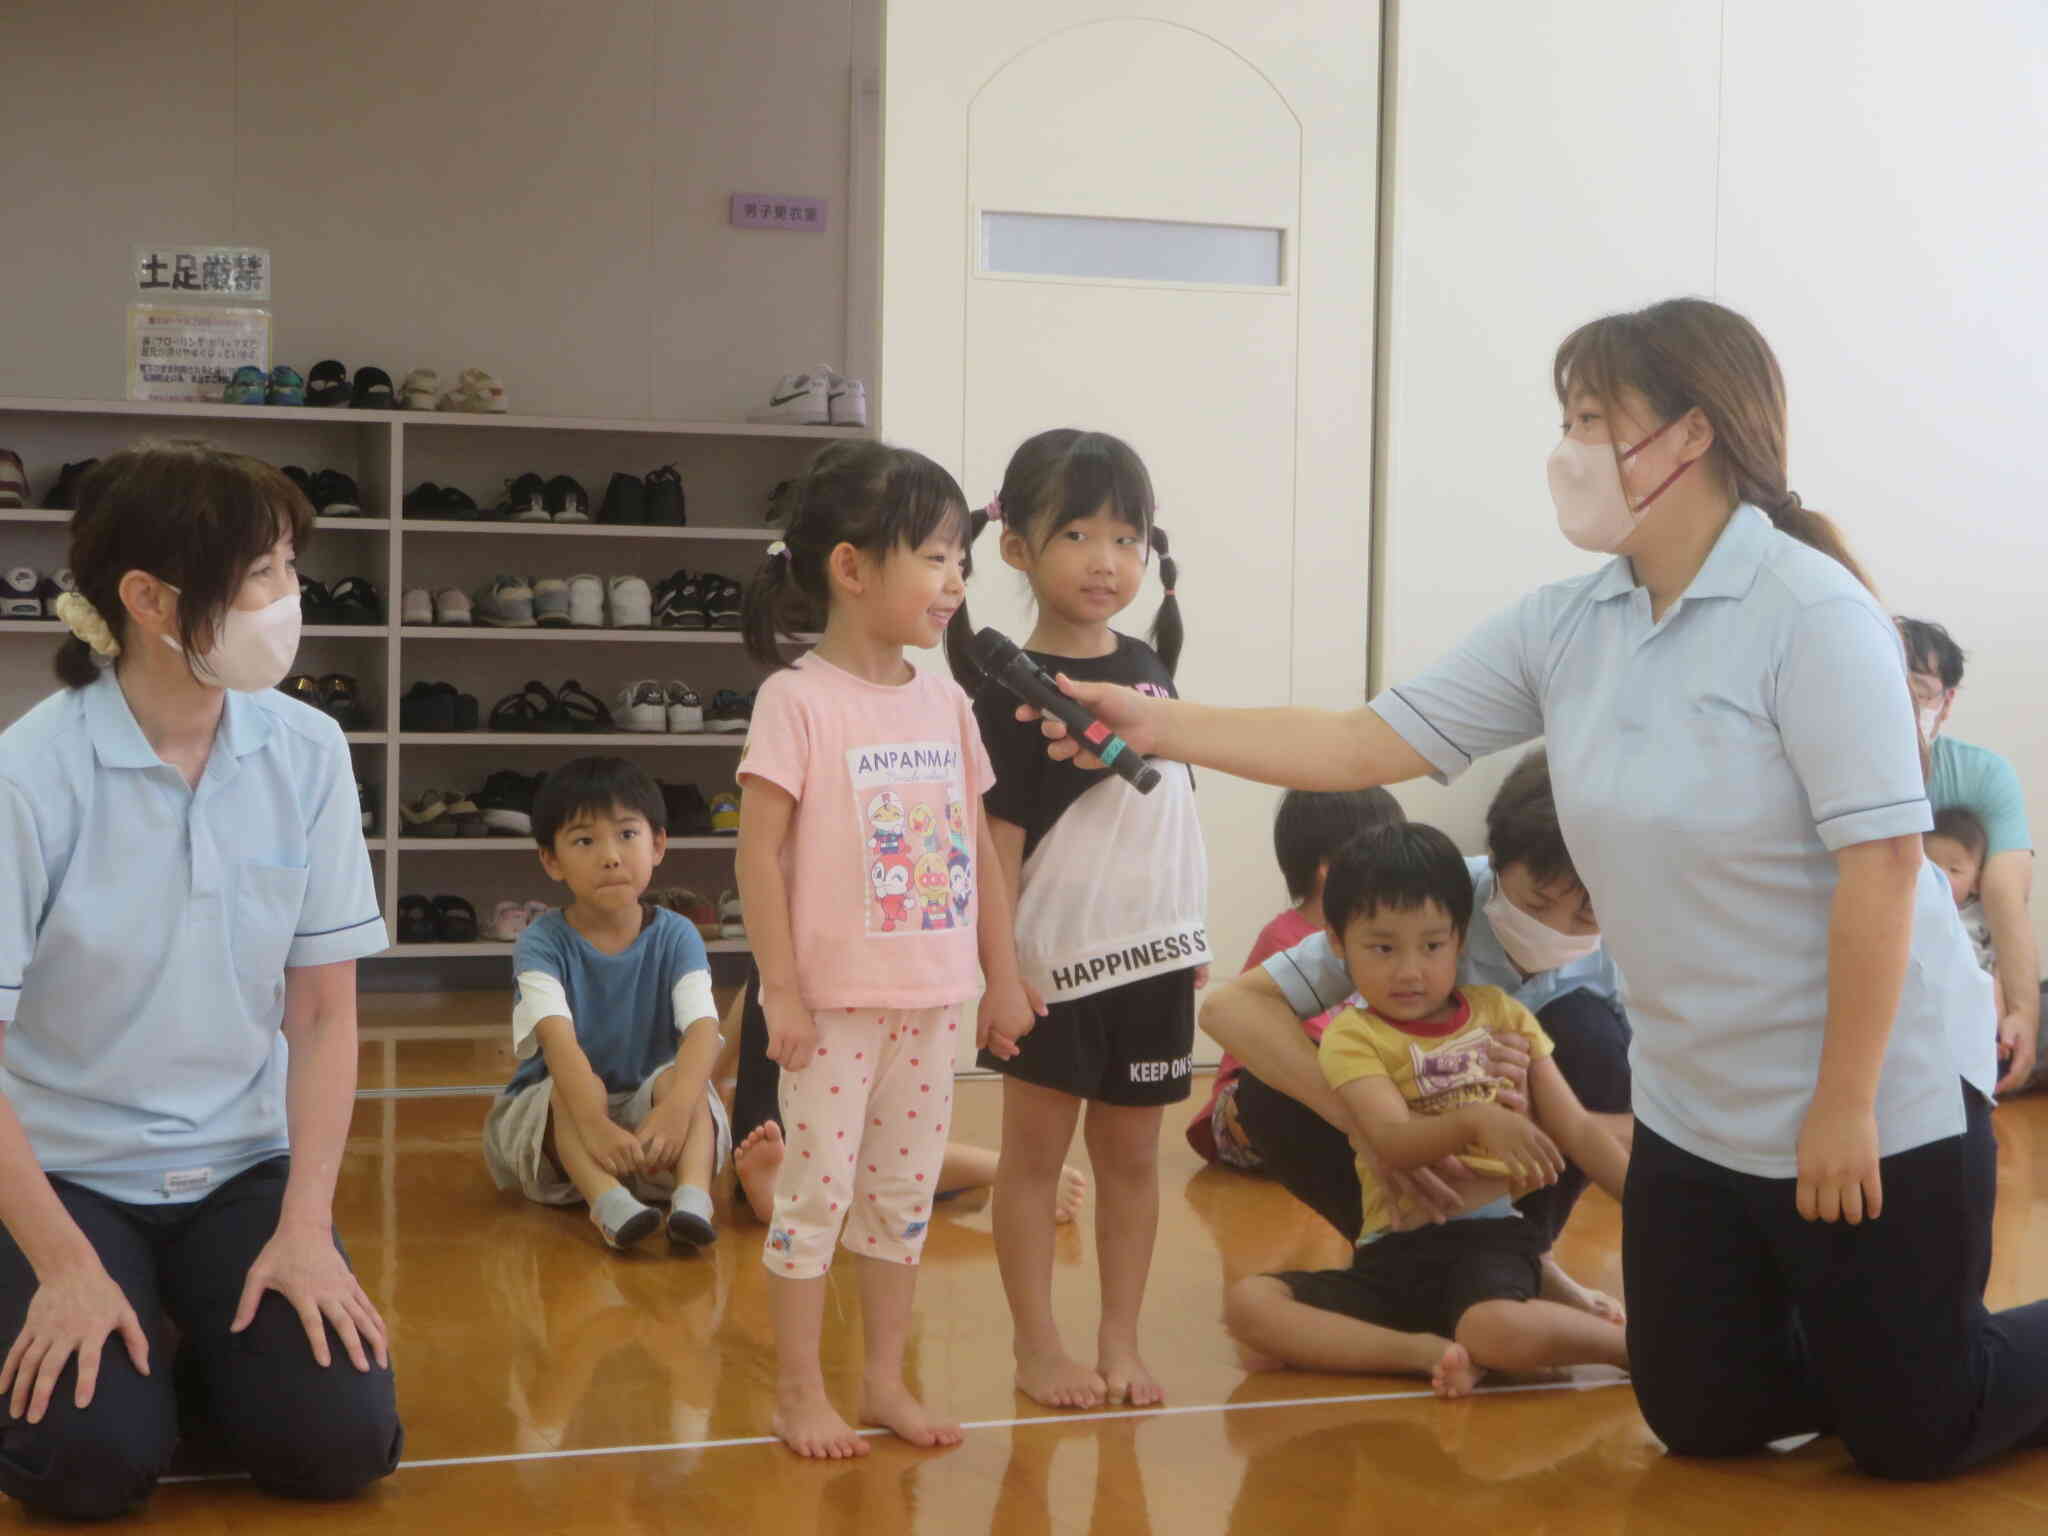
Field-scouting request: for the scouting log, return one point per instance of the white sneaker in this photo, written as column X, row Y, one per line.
column 847, row 401
column 685, row 708
column 586, row 602
column 732, row 918
column 417, row 607
column 800, row 400
column 632, row 603
column 420, row 390
column 642, row 707
column 451, row 606
column 18, row 594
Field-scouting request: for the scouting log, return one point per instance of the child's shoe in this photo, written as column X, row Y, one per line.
column 422, row 387
column 287, row 387
column 725, row 815
column 622, row 1219
column 249, row 386
column 689, row 1218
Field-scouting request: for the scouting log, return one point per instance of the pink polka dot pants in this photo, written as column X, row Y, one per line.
column 865, row 1123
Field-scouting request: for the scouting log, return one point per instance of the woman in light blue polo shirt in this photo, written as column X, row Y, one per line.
column 184, row 893
column 1738, row 776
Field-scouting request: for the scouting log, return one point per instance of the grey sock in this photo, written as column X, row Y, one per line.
column 689, row 1217
column 623, row 1219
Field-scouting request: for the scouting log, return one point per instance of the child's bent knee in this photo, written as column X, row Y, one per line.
column 1248, row 1305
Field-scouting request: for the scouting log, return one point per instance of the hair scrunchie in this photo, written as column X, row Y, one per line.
column 778, row 552
column 84, row 621
column 994, row 510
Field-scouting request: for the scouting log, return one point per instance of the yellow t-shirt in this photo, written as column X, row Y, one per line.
column 1442, row 1068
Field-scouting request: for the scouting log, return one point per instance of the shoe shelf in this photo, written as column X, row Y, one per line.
column 346, row 631
column 571, row 739
column 34, row 515
column 30, row 626
column 483, row 947
column 525, row 844
column 581, row 530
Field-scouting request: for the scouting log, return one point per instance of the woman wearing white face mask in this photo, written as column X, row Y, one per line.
column 1738, row 776
column 184, row 893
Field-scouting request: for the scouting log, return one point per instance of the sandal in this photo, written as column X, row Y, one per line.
column 428, row 816
column 356, row 601
column 343, row 702
column 416, row 924
column 316, row 603
column 302, row 687
column 579, row 710
column 457, row 920
column 533, row 708
column 427, row 707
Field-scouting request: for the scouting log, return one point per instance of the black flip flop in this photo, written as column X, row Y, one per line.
column 533, row 708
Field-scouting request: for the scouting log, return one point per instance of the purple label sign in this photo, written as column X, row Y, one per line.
column 760, row 210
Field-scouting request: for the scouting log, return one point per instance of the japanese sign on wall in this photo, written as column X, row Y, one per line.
column 761, row 210
column 190, row 351
column 203, row 271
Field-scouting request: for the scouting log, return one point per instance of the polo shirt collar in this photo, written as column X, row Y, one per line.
column 118, row 741
column 1731, row 565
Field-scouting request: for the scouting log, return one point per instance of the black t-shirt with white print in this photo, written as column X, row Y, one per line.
column 1115, row 884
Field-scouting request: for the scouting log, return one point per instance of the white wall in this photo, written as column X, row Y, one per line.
column 531, row 187
column 1864, row 180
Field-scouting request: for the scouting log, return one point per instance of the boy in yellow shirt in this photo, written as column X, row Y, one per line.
column 1408, row 1057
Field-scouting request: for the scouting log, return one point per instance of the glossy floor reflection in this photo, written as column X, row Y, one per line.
column 517, row 1336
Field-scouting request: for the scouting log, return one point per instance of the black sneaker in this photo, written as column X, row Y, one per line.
column 327, row 384
column 566, row 500
column 356, row 600
column 665, row 507
column 335, row 495
column 692, row 605
column 372, row 391
column 316, row 604
column 526, row 501
column 688, row 814
column 668, row 600
column 730, row 712
column 63, row 495
column 300, row 478
column 625, row 500
column 723, row 600
column 506, row 801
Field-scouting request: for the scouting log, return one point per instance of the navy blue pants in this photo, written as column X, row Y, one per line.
column 258, row 1399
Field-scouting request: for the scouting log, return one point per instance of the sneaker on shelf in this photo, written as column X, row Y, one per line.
column 526, row 500
column 452, row 607
column 667, row 597
column 54, row 586
column 300, row 478
column 373, row 391
column 643, row 708
column 508, row 922
column 798, row 400
column 335, row 495
column 724, row 599
column 688, row 813
column 732, row 919
column 420, row 391
column 846, row 400
column 566, row 500
column 427, row 816
column 586, row 601
column 249, row 386
column 666, row 505
column 535, row 911
column 632, row 603
column 685, row 707
column 356, row 600
column 506, row 604
column 729, row 711
column 686, row 606
column 551, row 603
column 476, row 391
column 506, row 801
column 416, row 607
column 463, row 812
column 625, row 500
column 368, row 802
column 63, row 496
column 327, row 384
column 19, row 598
column 725, row 814
column 286, row 387
column 13, row 480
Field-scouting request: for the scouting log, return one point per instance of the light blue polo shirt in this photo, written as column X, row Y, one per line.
column 145, row 929
column 1706, row 768
column 1312, row 974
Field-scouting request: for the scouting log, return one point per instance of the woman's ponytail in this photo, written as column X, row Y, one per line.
column 75, row 665
column 960, row 629
column 1814, row 529
column 1167, row 630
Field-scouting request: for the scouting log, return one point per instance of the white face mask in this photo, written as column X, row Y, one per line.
column 1930, row 722
column 1593, row 509
column 253, row 648
column 1533, row 945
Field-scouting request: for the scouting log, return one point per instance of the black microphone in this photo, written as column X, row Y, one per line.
column 997, row 656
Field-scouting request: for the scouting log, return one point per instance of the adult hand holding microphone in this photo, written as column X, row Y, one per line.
column 1102, row 725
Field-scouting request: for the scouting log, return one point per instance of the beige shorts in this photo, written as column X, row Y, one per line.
column 515, row 1134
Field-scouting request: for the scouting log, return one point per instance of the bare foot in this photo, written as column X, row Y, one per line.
column 1057, row 1380
column 1073, row 1195
column 808, row 1424
column 758, row 1160
column 891, row 1406
column 1455, row 1375
column 1565, row 1291
column 1127, row 1379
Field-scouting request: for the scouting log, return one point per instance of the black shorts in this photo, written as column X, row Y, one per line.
column 1422, row 1281
column 1132, row 1045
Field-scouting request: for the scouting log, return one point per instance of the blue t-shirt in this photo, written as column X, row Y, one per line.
column 1980, row 781
column 623, row 1006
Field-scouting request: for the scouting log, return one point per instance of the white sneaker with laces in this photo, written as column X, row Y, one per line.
column 643, row 706
column 19, row 598
column 846, row 401
column 632, row 603
column 685, row 707
column 417, row 607
column 799, row 400
column 586, row 602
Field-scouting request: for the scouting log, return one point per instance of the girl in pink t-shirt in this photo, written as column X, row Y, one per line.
column 861, row 850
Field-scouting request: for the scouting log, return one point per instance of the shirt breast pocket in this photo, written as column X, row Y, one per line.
column 267, row 902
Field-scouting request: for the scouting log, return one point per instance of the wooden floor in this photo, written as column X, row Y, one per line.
column 550, row 1386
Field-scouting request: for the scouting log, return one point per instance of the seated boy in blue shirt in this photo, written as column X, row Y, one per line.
column 1408, row 1056
column 613, row 1024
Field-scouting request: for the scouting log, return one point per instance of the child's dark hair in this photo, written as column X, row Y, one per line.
column 1931, row 648
column 1961, row 824
column 1311, row 825
column 188, row 514
column 867, row 494
column 599, row 785
column 1521, row 825
column 1398, row 868
column 1060, row 477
